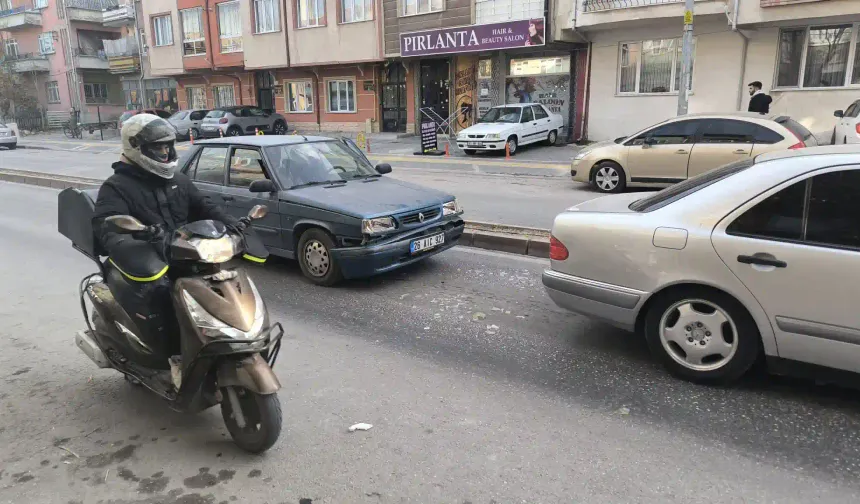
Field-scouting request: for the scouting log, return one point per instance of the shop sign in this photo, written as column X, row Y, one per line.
column 428, row 136
column 507, row 35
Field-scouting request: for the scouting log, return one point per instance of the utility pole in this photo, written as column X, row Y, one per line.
column 686, row 80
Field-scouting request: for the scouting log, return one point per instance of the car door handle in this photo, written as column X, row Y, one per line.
column 226, row 198
column 741, row 151
column 761, row 261
column 681, row 151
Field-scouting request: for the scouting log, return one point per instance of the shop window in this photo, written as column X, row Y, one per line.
column 196, row 97
column 818, row 56
column 230, row 27
column 96, row 93
column 161, row 94
column 223, row 96
column 650, row 66
column 341, row 95
column 353, row 11
column 53, row 92
column 162, row 31
column 193, row 41
column 540, row 66
column 46, row 43
column 267, row 17
column 412, row 7
column 300, row 97
column 310, row 13
column 485, row 69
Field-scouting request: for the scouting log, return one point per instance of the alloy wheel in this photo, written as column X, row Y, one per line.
column 317, row 258
column 512, row 146
column 607, row 178
column 698, row 334
column 280, row 128
column 553, row 137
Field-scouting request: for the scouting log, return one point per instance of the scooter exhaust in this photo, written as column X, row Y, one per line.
column 88, row 346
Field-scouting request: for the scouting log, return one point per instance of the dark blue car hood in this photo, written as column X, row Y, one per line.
column 365, row 199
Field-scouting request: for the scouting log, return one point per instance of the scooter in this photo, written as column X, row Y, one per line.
column 214, row 346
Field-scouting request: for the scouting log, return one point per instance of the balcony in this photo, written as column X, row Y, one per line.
column 604, row 14
column 602, row 5
column 122, row 15
column 88, row 59
column 123, row 56
column 29, row 62
column 20, row 18
column 89, row 11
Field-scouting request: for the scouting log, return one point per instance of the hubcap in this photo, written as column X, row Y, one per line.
column 317, row 258
column 234, row 132
column 279, row 128
column 552, row 137
column 512, row 146
column 698, row 335
column 607, row 178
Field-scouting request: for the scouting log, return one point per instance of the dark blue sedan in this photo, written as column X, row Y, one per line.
column 329, row 208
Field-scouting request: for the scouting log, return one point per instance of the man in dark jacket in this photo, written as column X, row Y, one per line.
column 759, row 102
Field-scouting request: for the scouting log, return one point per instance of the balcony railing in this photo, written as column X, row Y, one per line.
column 13, row 11
column 22, row 57
column 92, row 53
column 602, row 5
column 121, row 47
column 93, row 5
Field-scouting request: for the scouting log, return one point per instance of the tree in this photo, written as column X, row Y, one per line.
column 14, row 92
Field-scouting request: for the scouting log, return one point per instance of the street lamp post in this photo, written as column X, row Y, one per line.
column 685, row 82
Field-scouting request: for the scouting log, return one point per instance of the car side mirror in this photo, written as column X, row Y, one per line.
column 839, row 113
column 262, row 186
column 383, row 168
column 258, row 211
column 125, row 223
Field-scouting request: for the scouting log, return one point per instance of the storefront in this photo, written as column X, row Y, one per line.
column 157, row 93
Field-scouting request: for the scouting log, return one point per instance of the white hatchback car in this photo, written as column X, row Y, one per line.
column 512, row 125
column 759, row 257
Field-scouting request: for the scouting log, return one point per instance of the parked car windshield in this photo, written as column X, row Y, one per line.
column 502, row 115
column 216, row 113
column 689, row 186
column 317, row 163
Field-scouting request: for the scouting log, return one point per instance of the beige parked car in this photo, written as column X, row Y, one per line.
column 684, row 147
column 757, row 257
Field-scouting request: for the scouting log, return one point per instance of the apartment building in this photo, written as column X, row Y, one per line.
column 79, row 54
column 803, row 51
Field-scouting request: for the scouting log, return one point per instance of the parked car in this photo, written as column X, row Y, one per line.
column 125, row 116
column 244, row 120
column 847, row 129
column 751, row 258
column 7, row 137
column 187, row 122
column 683, row 147
column 512, row 125
column 329, row 208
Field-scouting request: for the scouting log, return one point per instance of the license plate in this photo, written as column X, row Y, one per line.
column 426, row 243
column 474, row 144
column 209, row 128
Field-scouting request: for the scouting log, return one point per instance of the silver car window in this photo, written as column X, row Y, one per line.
column 683, row 189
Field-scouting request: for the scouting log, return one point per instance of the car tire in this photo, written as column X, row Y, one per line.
column 684, row 324
column 195, row 132
column 552, row 138
column 315, row 259
column 512, row 145
column 469, row 152
column 234, row 131
column 608, row 177
column 13, row 146
column 280, row 128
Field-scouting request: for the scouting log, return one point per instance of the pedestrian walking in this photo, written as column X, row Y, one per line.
column 759, row 101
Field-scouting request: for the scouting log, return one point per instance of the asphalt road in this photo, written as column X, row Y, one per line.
column 479, row 391
column 498, row 192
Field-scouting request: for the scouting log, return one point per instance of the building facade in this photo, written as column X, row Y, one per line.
column 804, row 52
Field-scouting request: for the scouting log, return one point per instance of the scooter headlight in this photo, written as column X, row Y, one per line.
column 213, row 327
column 216, row 250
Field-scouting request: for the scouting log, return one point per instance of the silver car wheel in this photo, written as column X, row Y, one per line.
column 607, row 178
column 512, row 145
column 698, row 335
column 317, row 258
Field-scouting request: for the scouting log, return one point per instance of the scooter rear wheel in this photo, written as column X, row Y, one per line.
column 262, row 418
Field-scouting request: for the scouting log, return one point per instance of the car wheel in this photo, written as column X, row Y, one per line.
column 315, row 259
column 552, row 137
column 234, row 131
column 195, row 132
column 469, row 152
column 13, row 146
column 280, row 128
column 512, row 145
column 608, row 177
column 702, row 335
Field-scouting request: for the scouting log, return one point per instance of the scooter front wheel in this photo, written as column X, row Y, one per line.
column 256, row 424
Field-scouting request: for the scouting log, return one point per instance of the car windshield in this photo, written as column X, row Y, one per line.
column 689, row 186
column 318, row 163
column 179, row 115
column 216, row 114
column 502, row 115
column 3, row 125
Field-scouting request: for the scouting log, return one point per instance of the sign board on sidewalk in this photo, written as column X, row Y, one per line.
column 428, row 136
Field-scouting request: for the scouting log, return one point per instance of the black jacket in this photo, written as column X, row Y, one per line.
column 760, row 103
column 152, row 200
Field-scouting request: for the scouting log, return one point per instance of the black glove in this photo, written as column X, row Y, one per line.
column 150, row 234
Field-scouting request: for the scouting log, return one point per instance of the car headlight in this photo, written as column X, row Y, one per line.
column 377, row 225
column 214, row 251
column 451, row 208
column 579, row 155
column 493, row 136
column 213, row 327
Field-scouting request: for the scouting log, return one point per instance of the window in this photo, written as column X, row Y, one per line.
column 223, row 96
column 198, row 115
column 352, row 11
column 256, row 112
column 230, row 27
column 96, row 93
column 411, row 7
column 11, row 48
column 485, row 69
column 678, row 132
column 780, row 216
column 853, row 110
column 246, row 166
column 46, row 43
column 179, row 116
column 798, row 130
column 723, row 131
column 528, row 115
column 650, row 66
column 300, row 97
column 818, row 57
column 540, row 66
column 210, row 165
column 267, row 18
column 341, row 94
column 196, row 97
column 832, row 216
column 193, row 42
column 40, row 4
column 310, row 13
column 53, row 91
column 162, row 31
column 539, row 112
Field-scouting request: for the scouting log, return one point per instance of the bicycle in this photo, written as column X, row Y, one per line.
column 72, row 131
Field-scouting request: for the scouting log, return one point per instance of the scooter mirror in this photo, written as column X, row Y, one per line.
column 258, row 212
column 125, row 223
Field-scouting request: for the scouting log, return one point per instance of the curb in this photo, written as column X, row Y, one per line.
column 519, row 240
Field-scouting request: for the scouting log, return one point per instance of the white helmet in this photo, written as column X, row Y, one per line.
column 139, row 134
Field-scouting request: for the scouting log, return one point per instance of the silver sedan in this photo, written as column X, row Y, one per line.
column 7, row 137
column 760, row 258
